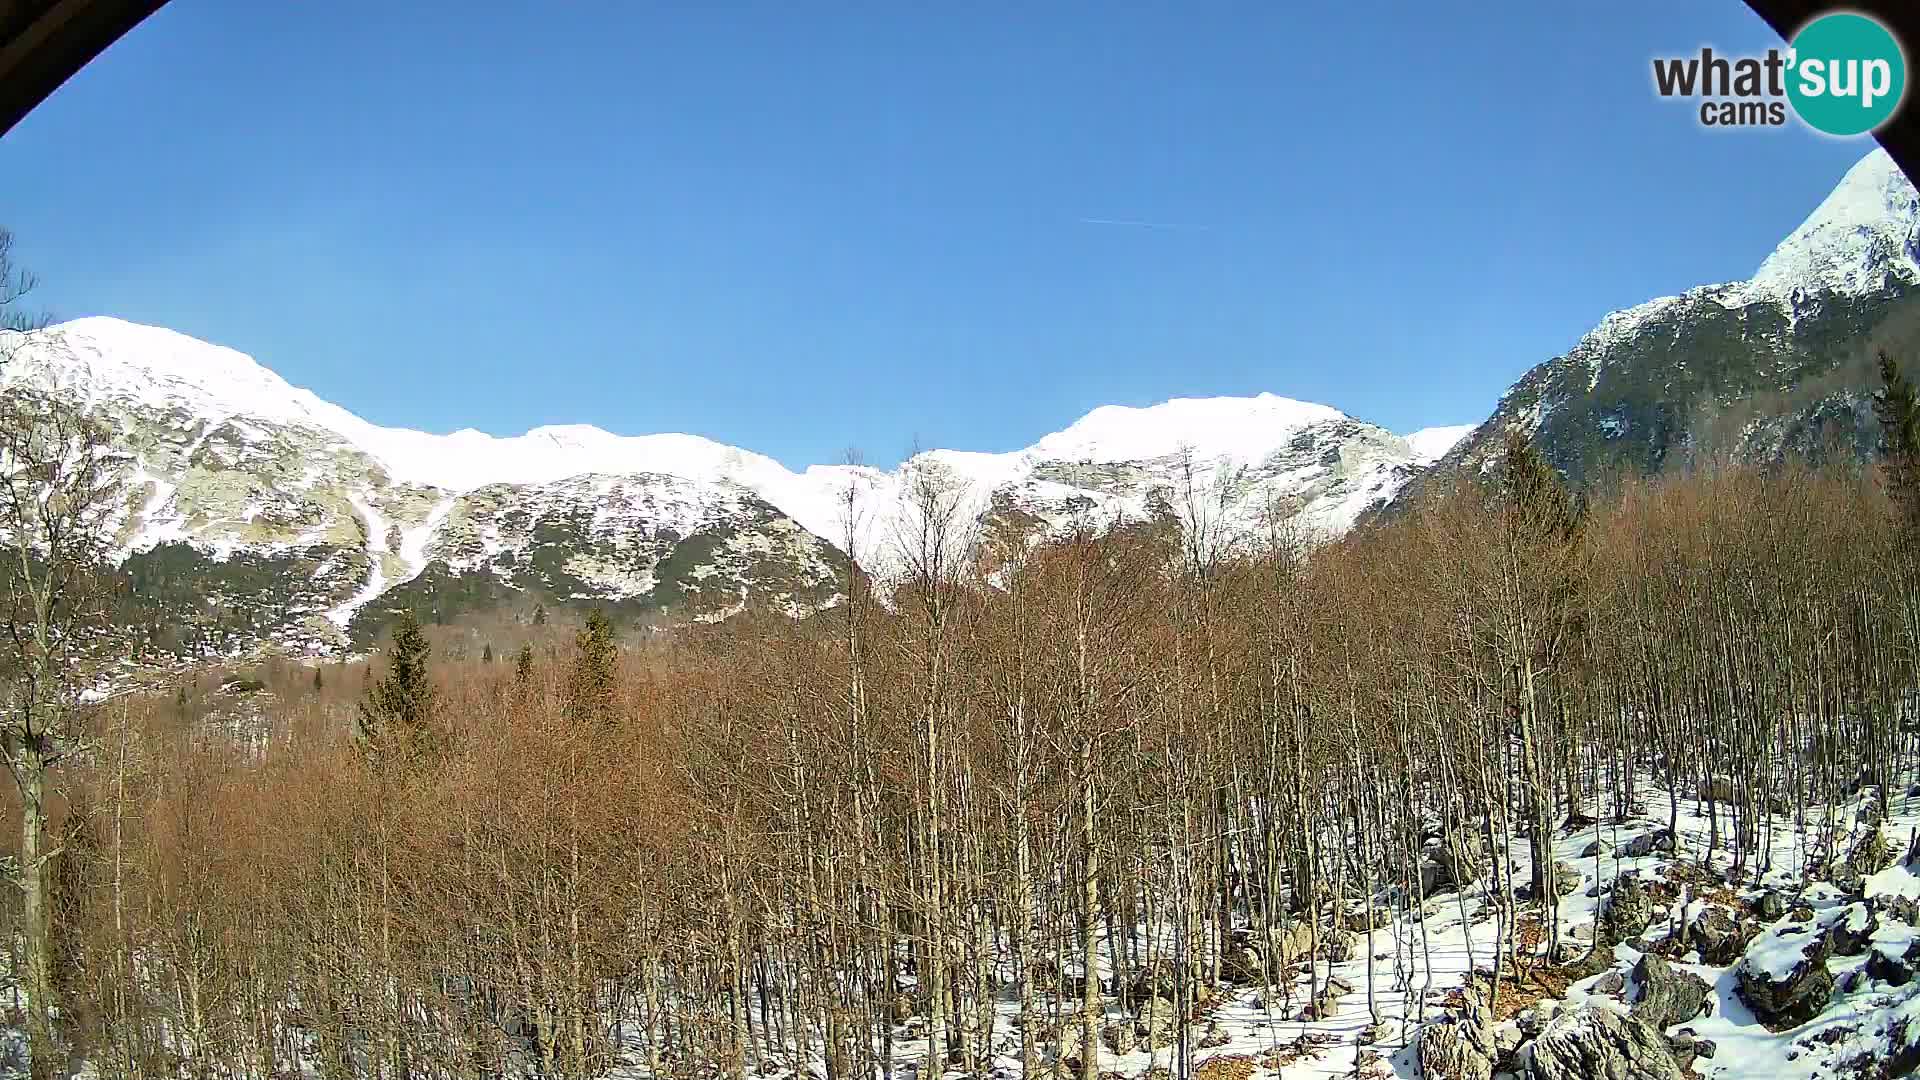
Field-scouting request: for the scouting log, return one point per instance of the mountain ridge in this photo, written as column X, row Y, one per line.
column 229, row 459
column 1757, row 368
column 318, row 524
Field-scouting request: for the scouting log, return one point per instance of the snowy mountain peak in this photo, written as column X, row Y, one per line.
column 1431, row 444
column 1867, row 227
column 232, row 462
column 1235, row 428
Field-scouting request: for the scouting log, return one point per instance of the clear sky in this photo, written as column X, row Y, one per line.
column 804, row 227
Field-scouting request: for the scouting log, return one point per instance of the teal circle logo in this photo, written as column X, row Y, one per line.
column 1847, row 75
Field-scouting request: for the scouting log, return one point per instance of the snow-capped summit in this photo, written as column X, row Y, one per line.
column 1235, row 428
column 234, row 462
column 1868, row 227
column 1751, row 370
column 1431, row 444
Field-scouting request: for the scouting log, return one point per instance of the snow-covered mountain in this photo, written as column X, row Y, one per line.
column 1754, row 369
column 333, row 521
column 261, row 511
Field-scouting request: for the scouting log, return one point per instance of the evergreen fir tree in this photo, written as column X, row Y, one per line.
column 1897, row 407
column 1535, row 490
column 396, row 715
column 486, row 653
column 539, row 614
column 590, row 693
column 319, row 682
column 523, row 666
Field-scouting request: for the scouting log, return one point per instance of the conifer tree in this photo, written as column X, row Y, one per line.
column 591, row 689
column 1538, row 622
column 523, row 666
column 1535, row 490
column 486, row 653
column 396, row 716
column 539, row 614
column 319, row 681
column 1897, row 407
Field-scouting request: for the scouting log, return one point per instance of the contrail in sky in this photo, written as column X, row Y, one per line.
column 1142, row 224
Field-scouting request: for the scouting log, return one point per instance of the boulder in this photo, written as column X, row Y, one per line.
column 1338, row 946
column 1566, row 878
column 1718, row 935
column 1718, row 789
column 1596, row 848
column 1769, row 906
column 1851, row 928
column 1783, row 977
column 1869, row 855
column 1285, row 946
column 1460, row 1046
column 1647, row 843
column 1624, row 913
column 1327, row 1002
column 1667, row 996
column 1596, row 1043
column 1894, row 961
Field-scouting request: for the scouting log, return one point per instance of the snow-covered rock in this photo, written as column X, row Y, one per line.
column 1596, row 1043
column 1783, row 977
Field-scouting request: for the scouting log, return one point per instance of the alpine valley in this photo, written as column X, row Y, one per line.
column 261, row 515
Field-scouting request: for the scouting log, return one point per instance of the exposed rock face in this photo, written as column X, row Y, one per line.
column 1770, row 905
column 1460, row 1047
column 1447, row 866
column 1667, row 996
column 1718, row 935
column 1850, row 928
column 1784, row 978
column 1893, row 963
column 1624, row 912
column 1259, row 956
column 1870, row 854
column 1757, row 369
column 1647, row 843
column 1595, row 1043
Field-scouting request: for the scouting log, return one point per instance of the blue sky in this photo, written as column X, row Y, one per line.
column 807, row 227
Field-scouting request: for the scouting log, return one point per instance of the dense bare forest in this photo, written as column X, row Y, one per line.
column 1170, row 758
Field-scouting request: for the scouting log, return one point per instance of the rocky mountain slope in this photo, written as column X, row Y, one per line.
column 260, row 512
column 1754, row 370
